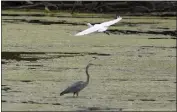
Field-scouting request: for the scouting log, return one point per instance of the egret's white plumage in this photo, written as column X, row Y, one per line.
column 109, row 23
column 89, row 25
column 102, row 27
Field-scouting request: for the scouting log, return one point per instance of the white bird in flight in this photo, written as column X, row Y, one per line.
column 102, row 27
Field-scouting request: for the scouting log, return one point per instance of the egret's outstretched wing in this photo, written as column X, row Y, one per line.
column 109, row 23
column 87, row 31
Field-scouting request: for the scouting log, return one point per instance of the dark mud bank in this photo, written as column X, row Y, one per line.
column 171, row 33
column 41, row 22
column 34, row 56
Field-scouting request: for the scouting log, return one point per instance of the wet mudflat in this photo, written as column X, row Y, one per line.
column 137, row 69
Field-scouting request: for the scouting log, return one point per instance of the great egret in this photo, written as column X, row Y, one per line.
column 102, row 27
column 78, row 86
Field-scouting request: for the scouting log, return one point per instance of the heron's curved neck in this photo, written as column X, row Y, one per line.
column 87, row 81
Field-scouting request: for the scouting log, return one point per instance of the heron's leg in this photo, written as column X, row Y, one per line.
column 77, row 94
column 74, row 94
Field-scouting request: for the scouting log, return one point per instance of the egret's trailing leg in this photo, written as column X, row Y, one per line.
column 106, row 32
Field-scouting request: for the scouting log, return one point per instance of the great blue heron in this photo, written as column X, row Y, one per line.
column 78, row 86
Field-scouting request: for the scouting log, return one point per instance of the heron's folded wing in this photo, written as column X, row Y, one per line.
column 87, row 31
column 74, row 87
column 109, row 23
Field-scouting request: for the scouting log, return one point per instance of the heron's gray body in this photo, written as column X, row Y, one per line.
column 74, row 88
column 77, row 86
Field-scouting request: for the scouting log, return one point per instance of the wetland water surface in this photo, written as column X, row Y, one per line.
column 136, row 72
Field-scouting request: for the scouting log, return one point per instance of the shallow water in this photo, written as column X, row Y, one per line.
column 39, row 61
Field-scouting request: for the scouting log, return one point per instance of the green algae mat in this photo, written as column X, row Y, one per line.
column 41, row 57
